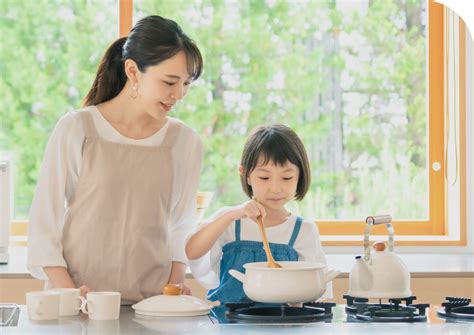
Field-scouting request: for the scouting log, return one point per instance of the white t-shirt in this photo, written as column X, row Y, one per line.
column 60, row 173
column 308, row 246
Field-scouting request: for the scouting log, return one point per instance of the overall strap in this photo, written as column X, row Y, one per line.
column 296, row 231
column 237, row 230
column 88, row 123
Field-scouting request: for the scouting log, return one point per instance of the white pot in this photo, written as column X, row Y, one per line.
column 293, row 283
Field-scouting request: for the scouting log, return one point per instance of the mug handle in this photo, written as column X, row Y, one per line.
column 83, row 307
column 80, row 303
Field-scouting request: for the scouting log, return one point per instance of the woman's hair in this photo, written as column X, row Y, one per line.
column 152, row 40
column 277, row 144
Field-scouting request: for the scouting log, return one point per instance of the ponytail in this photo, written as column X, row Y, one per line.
column 110, row 78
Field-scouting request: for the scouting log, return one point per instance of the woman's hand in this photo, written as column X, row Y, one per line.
column 185, row 290
column 84, row 290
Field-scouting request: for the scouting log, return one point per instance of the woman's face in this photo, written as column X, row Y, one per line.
column 161, row 86
column 274, row 185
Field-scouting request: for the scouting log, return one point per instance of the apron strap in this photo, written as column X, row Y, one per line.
column 237, row 230
column 88, row 123
column 172, row 133
column 296, row 231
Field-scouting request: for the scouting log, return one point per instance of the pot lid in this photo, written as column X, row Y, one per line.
column 172, row 304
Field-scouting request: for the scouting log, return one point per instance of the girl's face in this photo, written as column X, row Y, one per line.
column 274, row 185
column 161, row 86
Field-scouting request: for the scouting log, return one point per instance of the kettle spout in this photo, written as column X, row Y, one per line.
column 365, row 273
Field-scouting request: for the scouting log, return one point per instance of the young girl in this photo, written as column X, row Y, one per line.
column 274, row 170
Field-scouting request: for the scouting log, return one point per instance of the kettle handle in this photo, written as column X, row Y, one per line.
column 376, row 220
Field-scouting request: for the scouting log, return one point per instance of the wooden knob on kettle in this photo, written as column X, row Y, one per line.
column 172, row 289
column 379, row 246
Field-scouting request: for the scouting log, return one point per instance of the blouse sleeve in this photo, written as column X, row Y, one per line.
column 48, row 207
column 183, row 216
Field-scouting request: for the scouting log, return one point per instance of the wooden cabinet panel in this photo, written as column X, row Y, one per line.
column 13, row 290
column 427, row 290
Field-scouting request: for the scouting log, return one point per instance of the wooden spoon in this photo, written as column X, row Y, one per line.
column 266, row 246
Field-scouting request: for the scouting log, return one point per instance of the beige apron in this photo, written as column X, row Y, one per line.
column 115, row 234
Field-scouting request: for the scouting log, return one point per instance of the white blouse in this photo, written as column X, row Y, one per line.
column 308, row 246
column 60, row 173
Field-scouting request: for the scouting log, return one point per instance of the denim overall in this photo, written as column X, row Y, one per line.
column 237, row 253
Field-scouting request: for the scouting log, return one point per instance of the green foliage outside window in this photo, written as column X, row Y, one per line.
column 349, row 77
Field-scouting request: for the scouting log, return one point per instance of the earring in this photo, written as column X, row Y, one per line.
column 134, row 94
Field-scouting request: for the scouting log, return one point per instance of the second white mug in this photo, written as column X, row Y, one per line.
column 101, row 305
column 69, row 301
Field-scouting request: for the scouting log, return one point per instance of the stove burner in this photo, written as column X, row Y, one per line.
column 457, row 308
column 276, row 313
column 394, row 311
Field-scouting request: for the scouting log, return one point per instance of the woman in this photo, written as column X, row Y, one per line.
column 116, row 193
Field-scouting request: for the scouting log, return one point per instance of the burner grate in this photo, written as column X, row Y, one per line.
column 394, row 311
column 278, row 313
column 457, row 308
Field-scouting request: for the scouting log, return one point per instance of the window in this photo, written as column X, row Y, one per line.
column 361, row 82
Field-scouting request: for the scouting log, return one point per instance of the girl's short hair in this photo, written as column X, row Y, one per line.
column 278, row 144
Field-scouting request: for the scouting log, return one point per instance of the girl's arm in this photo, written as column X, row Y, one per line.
column 202, row 241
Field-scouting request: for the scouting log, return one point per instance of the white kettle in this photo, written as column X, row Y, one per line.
column 380, row 273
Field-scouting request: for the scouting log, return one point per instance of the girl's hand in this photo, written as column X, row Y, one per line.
column 250, row 209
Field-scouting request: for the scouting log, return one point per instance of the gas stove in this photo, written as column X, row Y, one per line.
column 357, row 310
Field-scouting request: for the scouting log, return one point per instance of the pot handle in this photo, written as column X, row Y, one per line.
column 376, row 220
column 330, row 275
column 213, row 304
column 238, row 275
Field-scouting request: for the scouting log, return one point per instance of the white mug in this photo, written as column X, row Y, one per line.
column 69, row 301
column 101, row 305
column 42, row 305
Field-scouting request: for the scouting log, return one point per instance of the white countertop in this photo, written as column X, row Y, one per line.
column 129, row 323
column 420, row 265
